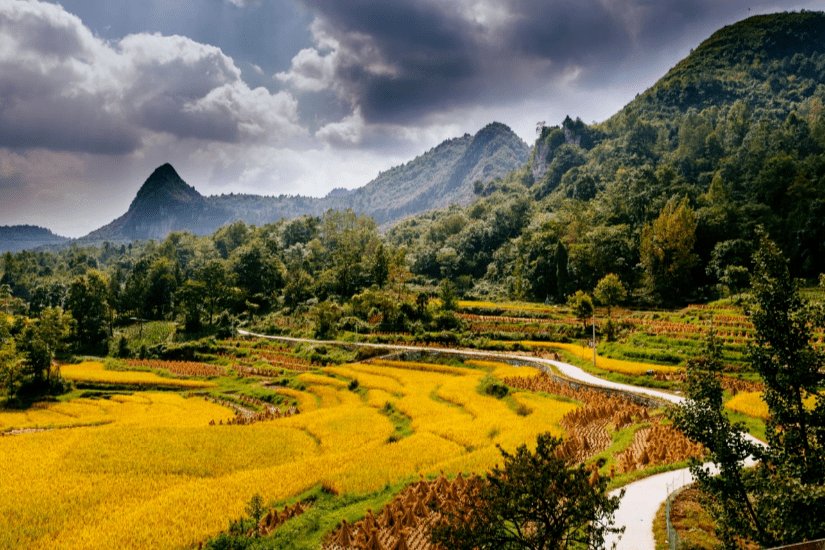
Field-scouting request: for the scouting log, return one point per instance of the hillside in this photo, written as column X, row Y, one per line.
column 442, row 176
column 732, row 138
column 14, row 238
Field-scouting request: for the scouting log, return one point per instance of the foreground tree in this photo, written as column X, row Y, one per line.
column 793, row 479
column 778, row 501
column 792, row 369
column 536, row 500
column 720, row 474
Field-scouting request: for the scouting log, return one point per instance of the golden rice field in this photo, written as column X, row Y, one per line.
column 751, row 404
column 606, row 363
column 506, row 306
column 154, row 474
column 94, row 372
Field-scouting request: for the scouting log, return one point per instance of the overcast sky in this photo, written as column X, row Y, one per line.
column 299, row 97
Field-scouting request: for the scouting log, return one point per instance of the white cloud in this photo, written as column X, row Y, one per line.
column 243, row 3
column 62, row 88
column 310, row 71
column 347, row 132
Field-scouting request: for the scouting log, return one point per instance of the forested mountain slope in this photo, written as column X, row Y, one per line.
column 442, row 176
column 668, row 192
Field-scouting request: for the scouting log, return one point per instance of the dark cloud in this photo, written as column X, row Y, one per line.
column 403, row 60
column 11, row 184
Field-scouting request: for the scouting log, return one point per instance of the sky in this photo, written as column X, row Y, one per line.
column 302, row 96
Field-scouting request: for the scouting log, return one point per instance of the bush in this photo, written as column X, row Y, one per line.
column 491, row 386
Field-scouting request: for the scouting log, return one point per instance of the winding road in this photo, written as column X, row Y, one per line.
column 642, row 498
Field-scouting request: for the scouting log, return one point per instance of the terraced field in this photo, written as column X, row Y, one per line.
column 126, row 465
column 154, row 470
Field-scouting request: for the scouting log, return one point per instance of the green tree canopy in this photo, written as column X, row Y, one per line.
column 666, row 251
column 536, row 500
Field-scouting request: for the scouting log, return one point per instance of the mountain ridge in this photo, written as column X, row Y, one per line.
column 441, row 176
column 14, row 238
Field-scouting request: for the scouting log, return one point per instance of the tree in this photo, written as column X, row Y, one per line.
column 42, row 339
column 775, row 502
column 701, row 418
column 792, row 369
column 161, row 287
column 535, row 500
column 190, row 299
column 8, row 302
column 447, row 294
column 258, row 272
column 562, row 273
column 10, row 361
column 666, row 251
column 88, row 306
column 609, row 292
column 582, row 305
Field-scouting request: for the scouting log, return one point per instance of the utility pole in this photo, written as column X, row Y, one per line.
column 594, row 337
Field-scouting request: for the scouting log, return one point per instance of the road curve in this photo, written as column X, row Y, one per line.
column 642, row 498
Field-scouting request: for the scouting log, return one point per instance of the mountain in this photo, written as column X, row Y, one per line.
column 164, row 203
column 732, row 138
column 14, row 238
column 440, row 177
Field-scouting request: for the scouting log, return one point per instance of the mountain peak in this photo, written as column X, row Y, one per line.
column 738, row 62
column 164, row 184
column 165, row 170
column 495, row 128
column 496, row 131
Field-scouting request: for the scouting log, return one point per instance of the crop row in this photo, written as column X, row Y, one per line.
column 406, row 521
column 587, row 427
column 95, row 373
column 181, row 368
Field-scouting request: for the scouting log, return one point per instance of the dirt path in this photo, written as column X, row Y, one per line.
column 642, row 498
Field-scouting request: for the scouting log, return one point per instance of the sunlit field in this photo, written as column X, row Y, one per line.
column 752, row 404
column 159, row 470
column 94, row 372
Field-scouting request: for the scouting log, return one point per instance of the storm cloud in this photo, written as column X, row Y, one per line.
column 396, row 62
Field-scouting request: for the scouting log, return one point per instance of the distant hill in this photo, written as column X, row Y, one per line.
column 14, row 238
column 440, row 177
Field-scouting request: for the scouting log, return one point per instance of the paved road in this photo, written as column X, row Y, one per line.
column 642, row 498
